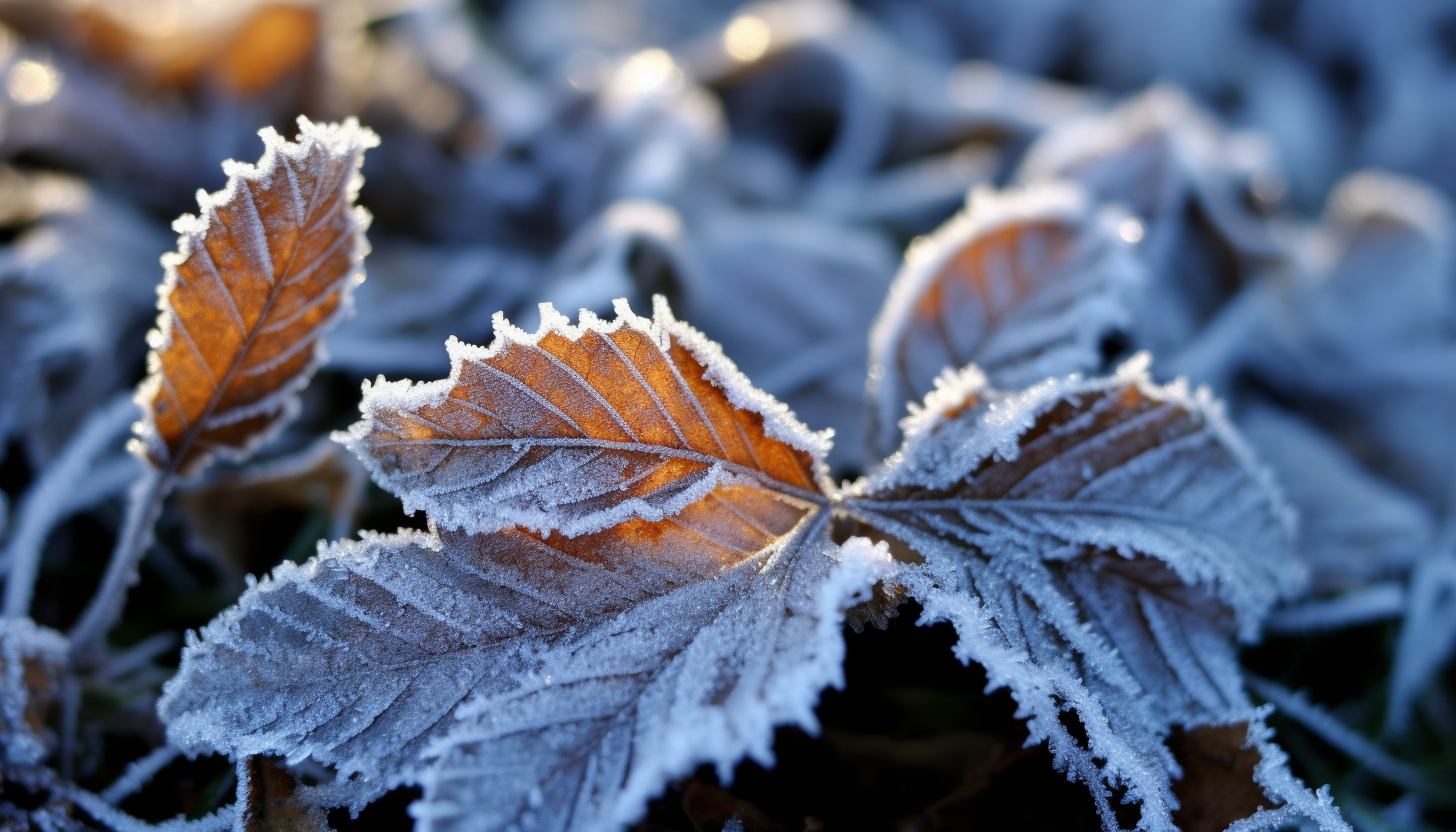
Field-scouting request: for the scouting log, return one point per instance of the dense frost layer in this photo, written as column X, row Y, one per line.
column 1098, row 544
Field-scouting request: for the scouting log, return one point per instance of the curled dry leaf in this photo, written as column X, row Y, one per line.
column 31, row 660
column 1025, row 284
column 529, row 679
column 1097, row 544
column 253, row 285
column 578, row 428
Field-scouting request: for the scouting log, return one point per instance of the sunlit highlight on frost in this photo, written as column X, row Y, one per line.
column 747, row 38
column 32, row 82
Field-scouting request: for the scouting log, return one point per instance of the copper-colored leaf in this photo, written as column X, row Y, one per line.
column 1218, row 785
column 577, row 428
column 1025, row 284
column 275, row 41
column 253, row 285
column 242, row 47
column 268, row 799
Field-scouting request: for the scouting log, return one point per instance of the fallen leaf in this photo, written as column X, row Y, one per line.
column 533, row 679
column 1098, row 544
column 269, row 802
column 31, row 661
column 1024, row 284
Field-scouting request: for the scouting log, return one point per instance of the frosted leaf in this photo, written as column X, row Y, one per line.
column 1188, row 181
column 613, row 714
column 26, row 312
column 1362, row 339
column 1384, row 245
column 1025, row 284
column 253, row 284
column 379, row 655
column 1354, row 528
column 1098, row 544
column 576, row 428
column 31, row 661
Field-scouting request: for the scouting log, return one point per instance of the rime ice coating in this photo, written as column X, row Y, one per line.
column 578, row 428
column 1097, row 544
column 524, row 686
column 529, row 679
column 1023, row 283
column 257, row 278
column 31, row 661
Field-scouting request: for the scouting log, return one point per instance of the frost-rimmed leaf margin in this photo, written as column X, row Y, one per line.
column 24, row 642
column 1009, row 415
column 263, row 648
column 662, row 329
column 1060, row 661
column 346, row 138
column 987, row 211
column 695, row 728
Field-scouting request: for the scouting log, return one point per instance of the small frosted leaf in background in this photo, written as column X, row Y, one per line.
column 1024, row 284
column 31, row 661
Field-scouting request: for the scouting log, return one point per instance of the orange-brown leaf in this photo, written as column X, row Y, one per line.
column 578, row 428
column 1024, row 284
column 253, row 285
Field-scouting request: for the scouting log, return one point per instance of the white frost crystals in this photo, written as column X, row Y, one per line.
column 629, row 573
column 536, row 678
column 1097, row 544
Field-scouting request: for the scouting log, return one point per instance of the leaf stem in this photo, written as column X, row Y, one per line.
column 143, row 508
column 55, row 496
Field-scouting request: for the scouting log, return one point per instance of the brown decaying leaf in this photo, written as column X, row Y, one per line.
column 577, row 428
column 268, row 802
column 253, row 285
column 1217, row 787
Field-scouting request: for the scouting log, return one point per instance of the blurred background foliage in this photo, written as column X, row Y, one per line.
column 764, row 166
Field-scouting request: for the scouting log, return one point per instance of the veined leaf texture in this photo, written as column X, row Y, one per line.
column 578, row 428
column 1098, row 544
column 256, row 279
column 556, row 674
column 1024, row 284
column 631, row 566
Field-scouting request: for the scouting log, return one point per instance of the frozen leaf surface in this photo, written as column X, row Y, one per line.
column 577, row 428
column 1097, row 544
column 534, row 680
column 1025, row 284
column 31, row 660
column 255, row 281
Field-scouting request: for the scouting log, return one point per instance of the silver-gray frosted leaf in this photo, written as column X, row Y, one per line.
column 1354, row 528
column 1190, row 183
column 612, row 714
column 497, row 668
column 1098, row 545
column 1025, row 284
